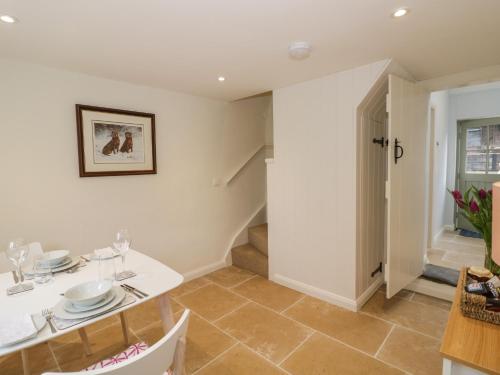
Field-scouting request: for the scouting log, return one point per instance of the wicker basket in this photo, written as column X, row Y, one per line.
column 473, row 305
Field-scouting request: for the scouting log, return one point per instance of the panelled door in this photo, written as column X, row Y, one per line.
column 407, row 105
column 478, row 158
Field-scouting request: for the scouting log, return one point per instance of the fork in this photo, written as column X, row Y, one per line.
column 47, row 314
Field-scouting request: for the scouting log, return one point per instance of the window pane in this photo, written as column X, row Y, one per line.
column 475, row 162
column 476, row 138
column 495, row 137
column 494, row 162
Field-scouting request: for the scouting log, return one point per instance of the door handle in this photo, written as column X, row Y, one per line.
column 398, row 151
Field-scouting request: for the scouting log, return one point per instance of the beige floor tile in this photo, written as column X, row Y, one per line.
column 428, row 300
column 265, row 331
column 204, row 341
column 358, row 330
column 321, row 355
column 229, row 276
column 40, row 358
column 147, row 313
column 267, row 293
column 212, row 301
column 412, row 352
column 240, row 361
column 190, row 286
column 405, row 294
column 427, row 319
column 104, row 344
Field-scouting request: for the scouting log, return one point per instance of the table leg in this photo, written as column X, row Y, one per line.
column 167, row 315
column 85, row 341
column 125, row 329
column 180, row 351
column 26, row 363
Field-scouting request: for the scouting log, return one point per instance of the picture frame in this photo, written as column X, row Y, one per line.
column 115, row 142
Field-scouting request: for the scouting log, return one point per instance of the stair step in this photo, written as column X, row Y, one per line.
column 257, row 236
column 251, row 259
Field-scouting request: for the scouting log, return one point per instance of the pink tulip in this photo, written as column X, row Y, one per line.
column 483, row 194
column 473, row 206
column 456, row 195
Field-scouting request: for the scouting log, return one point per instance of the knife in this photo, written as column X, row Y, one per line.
column 137, row 290
column 132, row 291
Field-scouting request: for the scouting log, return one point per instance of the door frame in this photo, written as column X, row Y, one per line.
column 432, row 144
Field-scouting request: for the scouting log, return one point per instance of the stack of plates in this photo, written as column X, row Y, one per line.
column 88, row 300
column 56, row 261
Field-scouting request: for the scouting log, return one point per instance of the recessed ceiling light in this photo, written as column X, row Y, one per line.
column 221, row 79
column 7, row 19
column 299, row 50
column 400, row 12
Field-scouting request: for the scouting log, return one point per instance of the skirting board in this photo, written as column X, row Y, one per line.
column 432, row 289
column 202, row 271
column 313, row 291
column 372, row 289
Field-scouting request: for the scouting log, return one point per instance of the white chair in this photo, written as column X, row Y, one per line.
column 168, row 351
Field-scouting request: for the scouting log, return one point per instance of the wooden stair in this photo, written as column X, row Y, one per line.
column 253, row 255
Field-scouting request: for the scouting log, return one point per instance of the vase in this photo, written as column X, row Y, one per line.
column 489, row 263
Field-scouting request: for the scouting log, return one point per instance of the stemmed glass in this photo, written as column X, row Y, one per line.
column 17, row 252
column 122, row 245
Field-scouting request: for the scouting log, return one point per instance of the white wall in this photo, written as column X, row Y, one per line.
column 440, row 102
column 466, row 105
column 312, row 184
column 177, row 216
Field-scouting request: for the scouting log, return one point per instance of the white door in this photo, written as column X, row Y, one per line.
column 407, row 105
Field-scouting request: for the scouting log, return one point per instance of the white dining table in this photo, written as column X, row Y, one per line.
column 153, row 278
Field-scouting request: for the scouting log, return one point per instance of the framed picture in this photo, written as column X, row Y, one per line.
column 115, row 142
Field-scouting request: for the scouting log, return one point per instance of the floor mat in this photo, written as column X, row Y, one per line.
column 469, row 233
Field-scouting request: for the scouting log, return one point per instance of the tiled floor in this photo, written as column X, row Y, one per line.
column 243, row 324
column 454, row 251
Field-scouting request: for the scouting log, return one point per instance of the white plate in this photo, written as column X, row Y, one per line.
column 72, row 308
column 52, row 258
column 62, row 263
column 29, row 269
column 60, row 313
column 38, row 321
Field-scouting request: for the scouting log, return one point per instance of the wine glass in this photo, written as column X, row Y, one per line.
column 122, row 245
column 17, row 252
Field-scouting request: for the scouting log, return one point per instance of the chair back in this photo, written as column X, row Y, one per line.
column 154, row 361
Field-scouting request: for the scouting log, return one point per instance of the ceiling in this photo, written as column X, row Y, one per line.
column 185, row 45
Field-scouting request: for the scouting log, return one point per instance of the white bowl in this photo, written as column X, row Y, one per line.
column 52, row 258
column 88, row 293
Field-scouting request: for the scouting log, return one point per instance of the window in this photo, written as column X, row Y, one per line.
column 482, row 149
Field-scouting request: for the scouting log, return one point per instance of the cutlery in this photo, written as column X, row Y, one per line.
column 48, row 314
column 131, row 291
column 84, row 258
column 137, row 290
column 14, row 275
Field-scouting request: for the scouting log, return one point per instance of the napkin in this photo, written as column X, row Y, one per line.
column 16, row 328
column 106, row 252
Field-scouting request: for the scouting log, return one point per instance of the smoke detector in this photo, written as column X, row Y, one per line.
column 299, row 50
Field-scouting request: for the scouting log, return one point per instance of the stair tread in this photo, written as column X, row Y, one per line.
column 250, row 258
column 259, row 230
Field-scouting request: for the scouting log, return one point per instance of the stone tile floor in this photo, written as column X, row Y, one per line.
column 243, row 324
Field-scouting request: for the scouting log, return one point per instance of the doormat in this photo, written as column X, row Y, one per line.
column 469, row 233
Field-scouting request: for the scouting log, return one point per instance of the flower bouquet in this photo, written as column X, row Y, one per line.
column 476, row 206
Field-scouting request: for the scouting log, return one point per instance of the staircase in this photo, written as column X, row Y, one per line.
column 253, row 255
